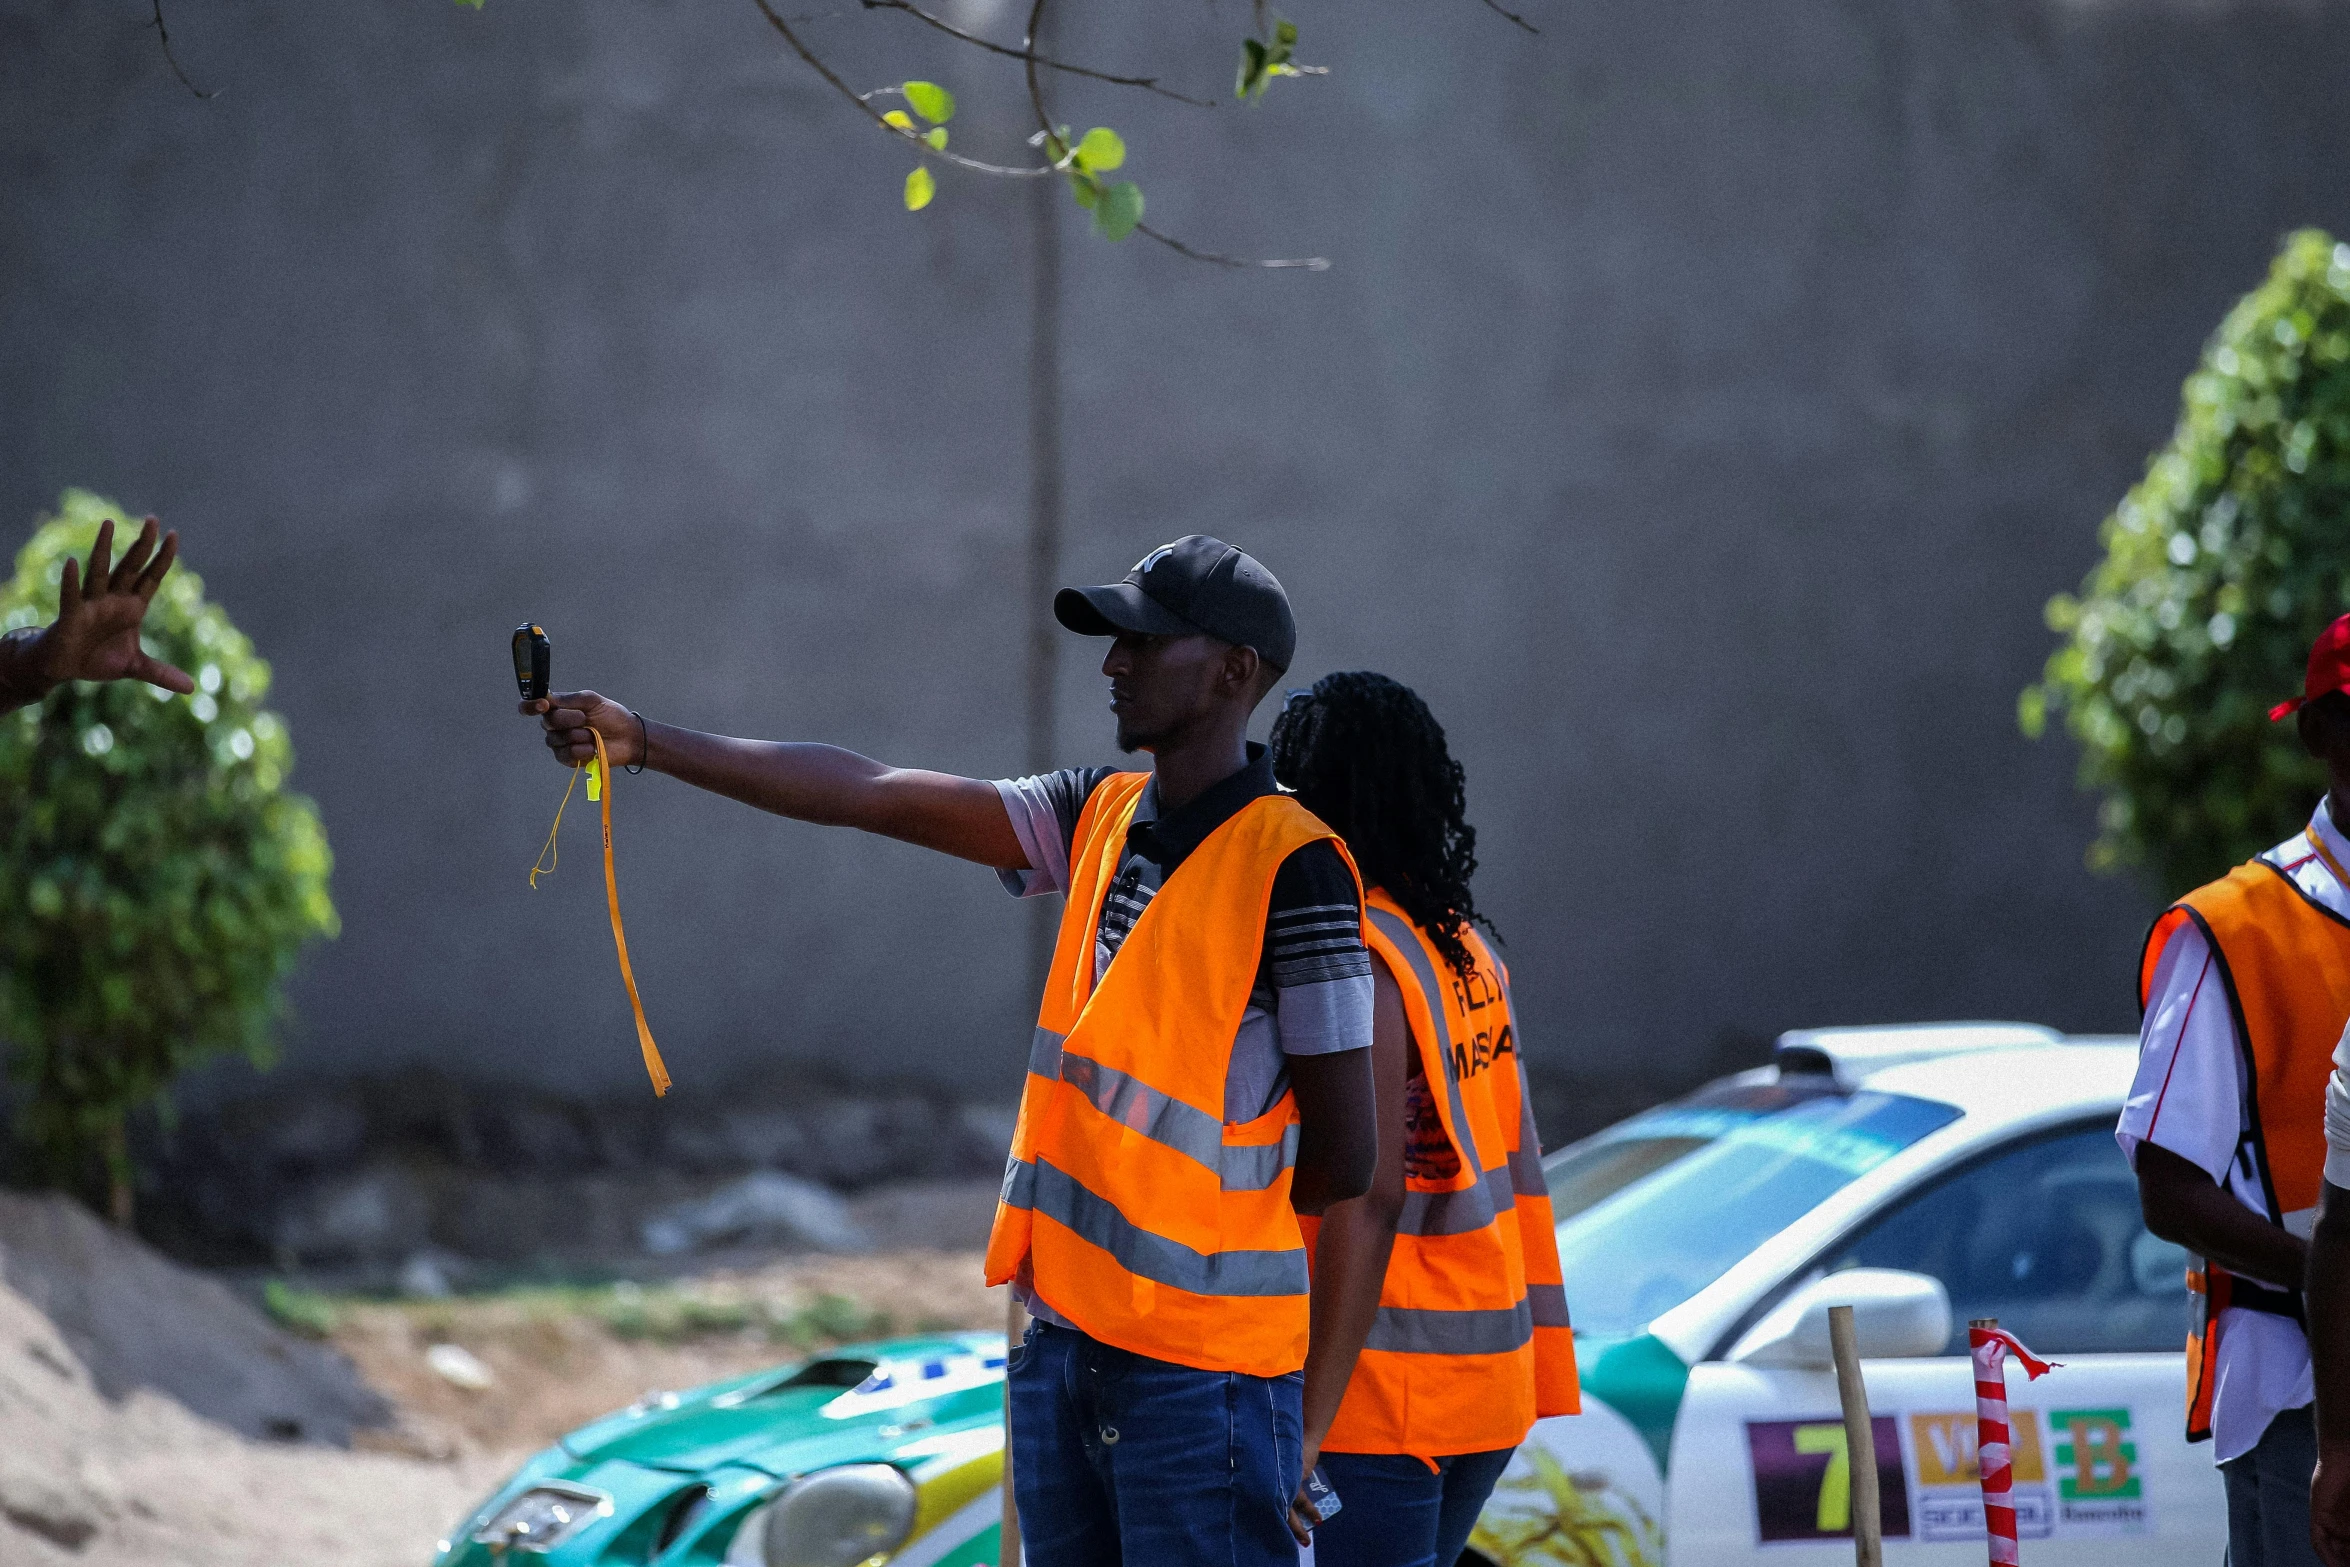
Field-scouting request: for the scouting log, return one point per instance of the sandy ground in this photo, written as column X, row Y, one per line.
column 145, row 1484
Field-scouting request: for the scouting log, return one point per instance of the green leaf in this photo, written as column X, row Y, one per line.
column 1087, row 189
column 1119, row 209
column 1285, row 34
column 933, row 102
column 1102, row 150
column 476, row 4
column 899, row 119
column 920, row 187
column 1251, row 80
column 937, row 138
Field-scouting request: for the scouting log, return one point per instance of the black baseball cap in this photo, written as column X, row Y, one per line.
column 1196, row 584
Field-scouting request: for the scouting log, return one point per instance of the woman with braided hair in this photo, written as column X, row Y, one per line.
column 1451, row 1256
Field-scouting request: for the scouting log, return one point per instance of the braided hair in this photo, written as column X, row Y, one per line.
column 1363, row 753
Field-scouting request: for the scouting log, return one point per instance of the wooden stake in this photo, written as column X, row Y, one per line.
column 1860, row 1441
column 1015, row 1324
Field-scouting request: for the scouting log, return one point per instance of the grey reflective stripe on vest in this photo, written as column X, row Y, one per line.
column 1407, row 940
column 1058, row 1196
column 1401, row 1330
column 1044, row 1053
column 1170, row 1122
column 1526, row 1177
column 1019, row 1183
column 1457, row 1213
column 1550, row 1305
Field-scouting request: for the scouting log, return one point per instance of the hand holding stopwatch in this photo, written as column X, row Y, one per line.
column 534, row 658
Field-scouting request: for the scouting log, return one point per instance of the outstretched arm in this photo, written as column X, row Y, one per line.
column 810, row 783
column 96, row 634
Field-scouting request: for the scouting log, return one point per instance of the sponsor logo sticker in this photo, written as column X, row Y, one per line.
column 1950, row 1484
column 2098, row 1488
column 2079, row 1480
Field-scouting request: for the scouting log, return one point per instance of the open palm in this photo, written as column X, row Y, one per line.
column 99, row 612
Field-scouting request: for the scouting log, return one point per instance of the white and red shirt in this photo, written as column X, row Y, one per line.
column 2189, row 1098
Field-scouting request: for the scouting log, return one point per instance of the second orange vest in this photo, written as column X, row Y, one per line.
column 1147, row 1220
column 1472, row 1343
column 2284, row 963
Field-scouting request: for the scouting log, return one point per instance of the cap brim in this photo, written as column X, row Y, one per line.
column 1118, row 606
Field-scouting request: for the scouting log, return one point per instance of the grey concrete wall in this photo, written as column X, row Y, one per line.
column 1706, row 397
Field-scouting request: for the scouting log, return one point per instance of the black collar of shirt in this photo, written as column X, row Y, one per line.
column 1168, row 840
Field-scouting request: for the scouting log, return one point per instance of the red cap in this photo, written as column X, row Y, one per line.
column 2329, row 668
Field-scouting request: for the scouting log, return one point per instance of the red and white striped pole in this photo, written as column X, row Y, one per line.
column 1994, row 1456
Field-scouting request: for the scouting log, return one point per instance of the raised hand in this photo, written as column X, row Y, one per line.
column 99, row 613
column 569, row 717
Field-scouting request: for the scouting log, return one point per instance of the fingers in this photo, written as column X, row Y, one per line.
column 127, row 572
column 565, row 717
column 157, row 673
column 100, row 552
column 69, row 592
column 152, row 577
column 573, row 746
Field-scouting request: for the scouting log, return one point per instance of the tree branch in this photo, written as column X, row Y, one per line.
column 1307, row 263
column 1146, row 83
column 1049, row 137
column 914, row 140
column 163, row 34
column 1496, row 5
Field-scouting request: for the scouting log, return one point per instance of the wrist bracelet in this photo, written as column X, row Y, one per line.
column 644, row 743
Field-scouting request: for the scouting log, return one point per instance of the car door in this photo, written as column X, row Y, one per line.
column 2045, row 1235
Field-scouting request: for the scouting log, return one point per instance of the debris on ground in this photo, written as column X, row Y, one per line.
column 460, row 1367
column 135, row 1319
column 765, row 1205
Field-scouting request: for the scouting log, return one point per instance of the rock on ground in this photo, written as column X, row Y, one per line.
column 135, row 1319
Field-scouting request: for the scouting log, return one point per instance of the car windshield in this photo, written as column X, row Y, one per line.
column 1653, row 1210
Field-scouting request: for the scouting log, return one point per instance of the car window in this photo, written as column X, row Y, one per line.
column 2046, row 1236
column 1653, row 1210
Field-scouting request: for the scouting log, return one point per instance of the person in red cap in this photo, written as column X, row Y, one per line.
column 2245, row 986
column 2329, row 1243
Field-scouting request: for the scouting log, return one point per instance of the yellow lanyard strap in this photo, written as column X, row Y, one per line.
column 600, row 787
column 2332, row 864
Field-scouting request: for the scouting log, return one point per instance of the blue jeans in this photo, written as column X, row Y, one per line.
column 1118, row 1458
column 2268, row 1495
column 1394, row 1512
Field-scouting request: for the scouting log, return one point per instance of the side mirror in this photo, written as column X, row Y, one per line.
column 1895, row 1315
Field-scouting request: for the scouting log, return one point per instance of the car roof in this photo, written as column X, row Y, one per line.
column 2008, row 1080
column 1997, row 1072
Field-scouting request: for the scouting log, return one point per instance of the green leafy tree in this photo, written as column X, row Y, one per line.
column 156, row 878
column 2220, row 568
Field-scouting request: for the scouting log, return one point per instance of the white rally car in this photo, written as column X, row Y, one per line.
column 1927, row 1175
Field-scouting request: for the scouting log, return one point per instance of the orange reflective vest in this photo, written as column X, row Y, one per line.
column 1147, row 1221
column 2284, row 962
column 1471, row 1344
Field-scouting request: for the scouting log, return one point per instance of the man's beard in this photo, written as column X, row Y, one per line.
column 1131, row 739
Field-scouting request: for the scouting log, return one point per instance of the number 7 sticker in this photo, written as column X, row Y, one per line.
column 1803, row 1479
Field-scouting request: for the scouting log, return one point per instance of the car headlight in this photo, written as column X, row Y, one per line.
column 542, row 1517
column 835, row 1518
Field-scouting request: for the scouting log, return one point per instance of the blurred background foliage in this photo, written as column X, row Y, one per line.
column 158, row 878
column 2221, row 566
